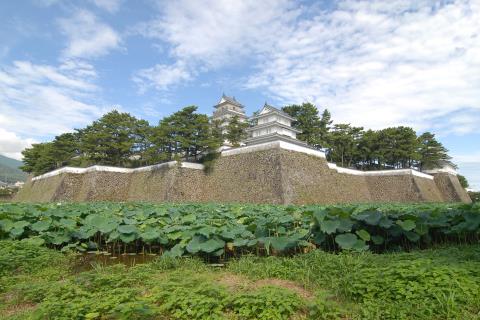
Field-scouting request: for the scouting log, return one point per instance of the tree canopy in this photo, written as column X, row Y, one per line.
column 120, row 139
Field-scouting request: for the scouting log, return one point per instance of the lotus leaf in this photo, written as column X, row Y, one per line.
column 212, row 245
column 36, row 241
column 370, row 217
column 127, row 229
column 282, row 243
column 194, row 244
column 412, row 236
column 6, row 225
column 16, row 232
column 176, row 251
column 329, row 226
column 127, row 237
column 385, row 222
column 41, row 225
column 406, row 225
column 21, row 224
column 363, row 234
column 377, row 240
column 60, row 238
column 68, row 223
column 346, row 240
column 150, row 235
column 240, row 242
column 346, row 225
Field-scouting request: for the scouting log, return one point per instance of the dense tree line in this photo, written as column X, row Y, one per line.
column 120, row 139
column 349, row 146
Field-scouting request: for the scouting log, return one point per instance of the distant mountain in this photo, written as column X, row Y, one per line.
column 9, row 170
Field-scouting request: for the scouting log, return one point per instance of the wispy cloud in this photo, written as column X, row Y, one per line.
column 206, row 35
column 88, row 37
column 162, row 77
column 378, row 65
column 111, row 6
column 373, row 63
column 44, row 100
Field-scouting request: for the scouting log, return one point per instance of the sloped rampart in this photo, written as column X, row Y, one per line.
column 275, row 172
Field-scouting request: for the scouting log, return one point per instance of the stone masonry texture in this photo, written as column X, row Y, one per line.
column 276, row 176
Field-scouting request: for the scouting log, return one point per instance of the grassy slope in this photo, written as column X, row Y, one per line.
column 433, row 284
column 9, row 171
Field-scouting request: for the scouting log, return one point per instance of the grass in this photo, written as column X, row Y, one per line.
column 441, row 283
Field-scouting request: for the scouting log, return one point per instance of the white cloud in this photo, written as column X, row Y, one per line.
column 381, row 65
column 110, row 5
column 373, row 63
column 204, row 35
column 162, row 77
column 11, row 145
column 87, row 36
column 39, row 101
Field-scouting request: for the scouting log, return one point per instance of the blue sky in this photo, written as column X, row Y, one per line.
column 372, row 63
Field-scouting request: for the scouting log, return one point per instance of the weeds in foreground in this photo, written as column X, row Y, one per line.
column 432, row 284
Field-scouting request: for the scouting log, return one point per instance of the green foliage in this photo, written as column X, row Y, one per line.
column 214, row 230
column 236, row 131
column 307, row 120
column 120, row 139
column 112, row 139
column 475, row 196
column 39, row 158
column 187, row 134
column 266, row 303
column 431, row 284
column 443, row 283
column 190, row 297
column 432, row 153
column 26, row 256
column 463, row 181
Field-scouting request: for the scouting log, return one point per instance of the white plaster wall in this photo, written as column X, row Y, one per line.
column 190, row 165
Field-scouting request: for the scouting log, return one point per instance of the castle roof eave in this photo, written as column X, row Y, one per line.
column 271, row 124
column 274, row 110
column 230, row 100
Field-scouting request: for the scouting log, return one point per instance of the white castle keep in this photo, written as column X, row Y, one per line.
column 270, row 123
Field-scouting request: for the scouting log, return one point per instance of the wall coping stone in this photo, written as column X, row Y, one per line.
column 443, row 170
column 241, row 150
column 398, row 172
column 274, row 145
column 96, row 168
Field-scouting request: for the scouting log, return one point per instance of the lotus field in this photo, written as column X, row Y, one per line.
column 215, row 230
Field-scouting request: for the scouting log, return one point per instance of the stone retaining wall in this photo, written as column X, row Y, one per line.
column 450, row 188
column 271, row 173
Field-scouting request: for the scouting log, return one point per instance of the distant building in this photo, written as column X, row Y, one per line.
column 226, row 109
column 272, row 124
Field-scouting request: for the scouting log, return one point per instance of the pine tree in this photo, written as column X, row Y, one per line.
column 186, row 134
column 324, row 128
column 236, row 131
column 308, row 122
column 432, row 154
column 38, row 159
column 113, row 139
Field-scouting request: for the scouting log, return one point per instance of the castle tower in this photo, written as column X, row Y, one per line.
column 272, row 125
column 227, row 108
